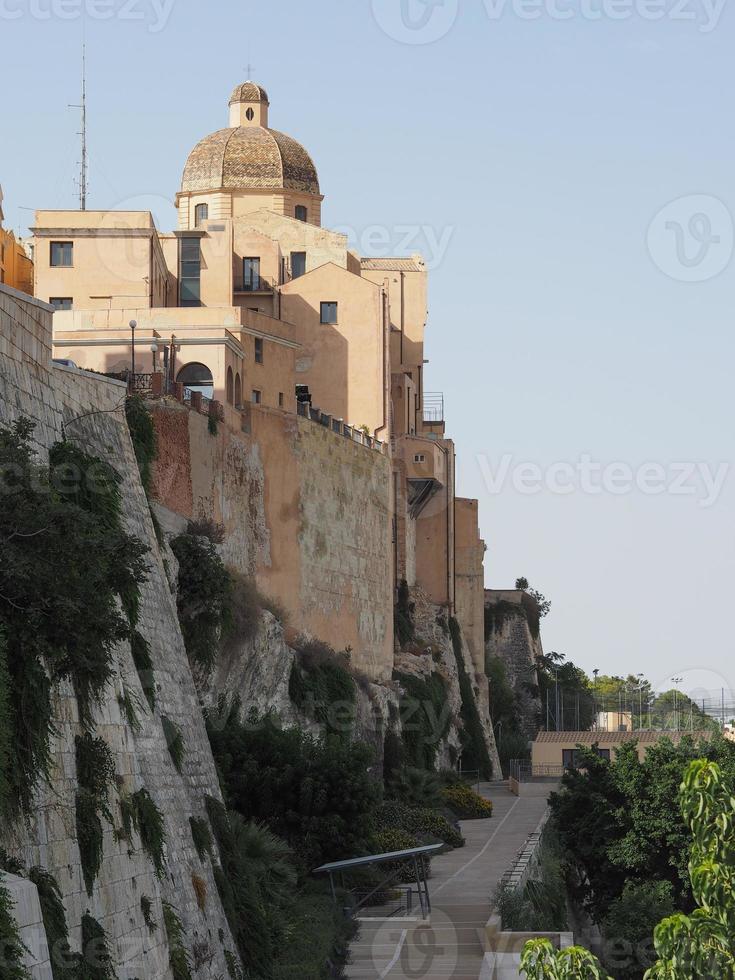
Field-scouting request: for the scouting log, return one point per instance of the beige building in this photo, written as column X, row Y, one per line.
column 16, row 268
column 253, row 304
column 551, row 752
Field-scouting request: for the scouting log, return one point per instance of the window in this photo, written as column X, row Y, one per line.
column 419, row 458
column 280, row 399
column 230, row 387
column 258, row 350
column 301, row 213
column 61, row 302
column 201, row 213
column 250, row 115
column 190, row 272
column 238, row 391
column 329, row 313
column 298, row 264
column 256, row 396
column 250, row 274
column 197, row 377
column 62, row 255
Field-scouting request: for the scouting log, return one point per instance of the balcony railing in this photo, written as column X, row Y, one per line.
column 254, row 284
column 433, row 406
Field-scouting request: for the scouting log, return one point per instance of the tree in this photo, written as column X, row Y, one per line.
column 702, row 945
column 559, row 676
column 540, row 961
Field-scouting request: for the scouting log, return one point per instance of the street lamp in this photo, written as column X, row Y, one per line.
column 154, row 352
column 676, row 681
column 133, row 325
column 596, row 707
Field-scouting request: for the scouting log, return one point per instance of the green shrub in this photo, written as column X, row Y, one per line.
column 204, row 598
column 422, row 822
column 475, row 753
column 63, row 961
column 146, row 907
column 394, row 754
column 90, row 837
column 425, row 717
column 466, row 803
column 541, row 904
column 143, row 436
column 139, row 811
column 315, row 792
column 174, row 741
column 178, row 955
column 46, row 579
column 141, row 653
column 321, row 685
column 11, row 967
column 130, row 705
column 95, row 766
column 416, row 787
column 320, row 938
column 96, row 960
column 391, row 839
column 95, row 774
column 202, row 836
column 632, row 918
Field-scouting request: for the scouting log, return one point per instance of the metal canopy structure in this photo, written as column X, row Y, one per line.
column 416, row 855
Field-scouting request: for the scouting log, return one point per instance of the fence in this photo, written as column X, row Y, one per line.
column 339, row 427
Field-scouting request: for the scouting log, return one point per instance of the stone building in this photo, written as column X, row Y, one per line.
column 252, row 304
column 16, row 268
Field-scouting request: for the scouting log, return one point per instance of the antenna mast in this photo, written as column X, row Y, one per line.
column 83, row 164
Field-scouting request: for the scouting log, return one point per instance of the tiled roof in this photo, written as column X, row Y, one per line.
column 392, row 265
column 590, row 738
column 249, row 92
column 249, row 157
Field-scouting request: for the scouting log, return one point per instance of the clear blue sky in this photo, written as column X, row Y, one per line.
column 543, row 148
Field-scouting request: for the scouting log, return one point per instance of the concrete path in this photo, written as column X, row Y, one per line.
column 462, row 883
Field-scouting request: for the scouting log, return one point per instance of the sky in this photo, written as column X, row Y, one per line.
column 566, row 168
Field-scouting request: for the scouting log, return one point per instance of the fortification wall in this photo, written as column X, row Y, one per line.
column 92, row 411
column 315, row 532
column 514, row 639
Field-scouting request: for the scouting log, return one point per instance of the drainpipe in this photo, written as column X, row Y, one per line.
column 386, row 355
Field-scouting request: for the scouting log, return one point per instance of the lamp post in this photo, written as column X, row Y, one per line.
column 676, row 681
column 154, row 353
column 133, row 325
column 595, row 672
column 640, row 700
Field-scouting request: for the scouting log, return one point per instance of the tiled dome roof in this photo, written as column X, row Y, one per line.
column 249, row 92
column 249, row 157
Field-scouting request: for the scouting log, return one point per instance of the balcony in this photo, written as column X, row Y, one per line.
column 433, row 407
column 255, row 284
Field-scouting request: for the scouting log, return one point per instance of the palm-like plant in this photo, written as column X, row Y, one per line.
column 416, row 787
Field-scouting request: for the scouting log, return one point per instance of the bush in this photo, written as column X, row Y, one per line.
column 422, row 822
column 389, row 840
column 404, row 627
column 146, row 907
column 322, row 686
column 416, row 787
column 202, row 836
column 466, row 803
column 631, row 919
column 174, row 741
column 140, row 812
column 143, row 436
column 77, row 507
column 178, row 955
column 425, row 717
column 95, row 773
column 541, row 905
column 204, row 598
column 314, row 792
column 475, row 753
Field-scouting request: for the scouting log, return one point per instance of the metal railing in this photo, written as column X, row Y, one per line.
column 433, row 406
column 523, row 771
column 338, row 426
column 254, row 284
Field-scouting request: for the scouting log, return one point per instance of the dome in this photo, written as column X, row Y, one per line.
column 249, row 92
column 249, row 157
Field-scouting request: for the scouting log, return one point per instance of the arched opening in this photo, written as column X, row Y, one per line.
column 301, row 213
column 238, row 391
column 230, row 387
column 197, row 377
column 201, row 213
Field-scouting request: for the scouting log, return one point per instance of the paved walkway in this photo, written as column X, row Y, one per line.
column 462, row 883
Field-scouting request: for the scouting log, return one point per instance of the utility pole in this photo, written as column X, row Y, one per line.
column 676, row 681
column 83, row 180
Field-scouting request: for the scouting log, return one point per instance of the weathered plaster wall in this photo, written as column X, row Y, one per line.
column 92, row 411
column 315, row 533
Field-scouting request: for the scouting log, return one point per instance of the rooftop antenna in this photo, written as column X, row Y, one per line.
column 83, row 181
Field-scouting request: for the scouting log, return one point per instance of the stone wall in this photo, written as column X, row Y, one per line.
column 315, row 532
column 27, row 914
column 91, row 410
column 513, row 637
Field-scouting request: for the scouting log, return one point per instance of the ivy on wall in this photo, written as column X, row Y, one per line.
column 60, row 612
column 425, row 718
column 11, row 966
column 95, row 774
column 322, row 686
column 475, row 754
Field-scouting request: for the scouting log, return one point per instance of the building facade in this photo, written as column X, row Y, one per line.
column 16, row 267
column 253, row 304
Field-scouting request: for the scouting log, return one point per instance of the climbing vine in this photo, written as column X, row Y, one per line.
column 474, row 749
column 95, row 773
column 11, row 967
column 425, row 718
column 60, row 612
